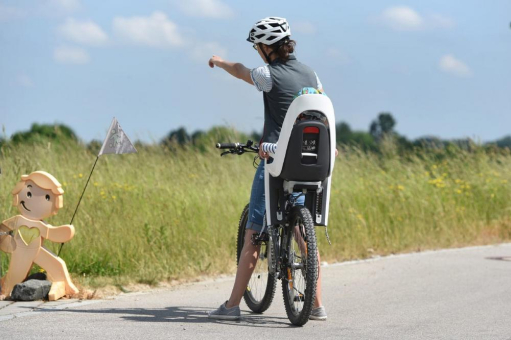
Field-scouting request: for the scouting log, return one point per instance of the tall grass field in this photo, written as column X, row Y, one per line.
column 172, row 213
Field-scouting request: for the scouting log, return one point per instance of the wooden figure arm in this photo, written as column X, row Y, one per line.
column 9, row 224
column 6, row 241
column 61, row 233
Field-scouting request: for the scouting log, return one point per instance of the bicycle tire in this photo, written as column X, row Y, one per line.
column 299, row 279
column 261, row 288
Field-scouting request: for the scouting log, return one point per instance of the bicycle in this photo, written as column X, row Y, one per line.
column 288, row 252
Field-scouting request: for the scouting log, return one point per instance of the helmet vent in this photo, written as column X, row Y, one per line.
column 269, row 30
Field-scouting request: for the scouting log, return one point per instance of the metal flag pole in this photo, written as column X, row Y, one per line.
column 116, row 142
column 80, row 200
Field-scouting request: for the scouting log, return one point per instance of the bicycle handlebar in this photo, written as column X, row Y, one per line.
column 238, row 148
column 227, row 145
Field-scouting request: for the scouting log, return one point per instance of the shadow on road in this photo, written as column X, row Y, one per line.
column 499, row 258
column 184, row 315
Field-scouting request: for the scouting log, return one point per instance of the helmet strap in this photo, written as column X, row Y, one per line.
column 266, row 56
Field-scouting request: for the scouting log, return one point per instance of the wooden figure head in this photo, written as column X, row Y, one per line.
column 38, row 195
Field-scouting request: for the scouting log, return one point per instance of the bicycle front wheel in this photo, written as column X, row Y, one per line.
column 301, row 270
column 261, row 288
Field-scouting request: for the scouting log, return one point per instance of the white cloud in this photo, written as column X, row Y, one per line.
column 154, row 31
column 66, row 6
column 201, row 52
column 24, row 80
column 402, row 18
column 10, row 13
column 205, row 8
column 304, row 27
column 83, row 32
column 71, row 55
column 449, row 64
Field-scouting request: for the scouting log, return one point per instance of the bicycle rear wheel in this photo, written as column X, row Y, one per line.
column 301, row 270
column 261, row 288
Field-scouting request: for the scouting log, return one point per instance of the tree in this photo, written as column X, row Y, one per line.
column 37, row 132
column 382, row 126
column 343, row 133
column 179, row 136
column 504, row 142
column 346, row 136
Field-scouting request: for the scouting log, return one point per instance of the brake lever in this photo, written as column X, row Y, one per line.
column 225, row 153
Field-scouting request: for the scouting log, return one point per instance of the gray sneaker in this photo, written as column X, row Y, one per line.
column 223, row 313
column 318, row 314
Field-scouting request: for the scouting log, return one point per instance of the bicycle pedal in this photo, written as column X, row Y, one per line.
column 257, row 239
column 299, row 298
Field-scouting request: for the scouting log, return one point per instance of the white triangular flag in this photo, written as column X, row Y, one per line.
column 116, row 141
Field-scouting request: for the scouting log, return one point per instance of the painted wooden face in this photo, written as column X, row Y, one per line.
column 36, row 203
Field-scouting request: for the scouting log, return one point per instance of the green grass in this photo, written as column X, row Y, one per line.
column 161, row 215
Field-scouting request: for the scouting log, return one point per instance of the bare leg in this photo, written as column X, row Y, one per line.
column 246, row 265
column 317, row 301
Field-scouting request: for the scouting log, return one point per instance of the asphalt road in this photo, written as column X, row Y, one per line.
column 449, row 294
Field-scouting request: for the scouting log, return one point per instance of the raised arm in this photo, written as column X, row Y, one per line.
column 237, row 70
column 61, row 233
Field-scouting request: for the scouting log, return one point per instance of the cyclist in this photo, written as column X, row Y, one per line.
column 279, row 80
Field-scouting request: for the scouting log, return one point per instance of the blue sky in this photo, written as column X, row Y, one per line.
column 441, row 68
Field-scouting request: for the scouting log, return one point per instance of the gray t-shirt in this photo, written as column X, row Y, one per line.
column 287, row 79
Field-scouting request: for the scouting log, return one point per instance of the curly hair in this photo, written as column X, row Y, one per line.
column 283, row 48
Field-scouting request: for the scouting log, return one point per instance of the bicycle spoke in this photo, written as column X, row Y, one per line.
column 301, row 286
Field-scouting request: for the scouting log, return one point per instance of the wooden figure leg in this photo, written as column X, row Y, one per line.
column 20, row 265
column 57, row 273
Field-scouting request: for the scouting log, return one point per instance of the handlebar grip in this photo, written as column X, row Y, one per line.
column 227, row 145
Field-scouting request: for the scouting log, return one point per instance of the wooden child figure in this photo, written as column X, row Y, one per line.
column 37, row 196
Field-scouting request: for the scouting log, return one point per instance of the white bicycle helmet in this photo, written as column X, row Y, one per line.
column 269, row 30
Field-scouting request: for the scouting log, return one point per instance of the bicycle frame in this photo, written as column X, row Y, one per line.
column 290, row 247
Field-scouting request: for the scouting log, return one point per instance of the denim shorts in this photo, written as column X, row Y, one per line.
column 257, row 208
